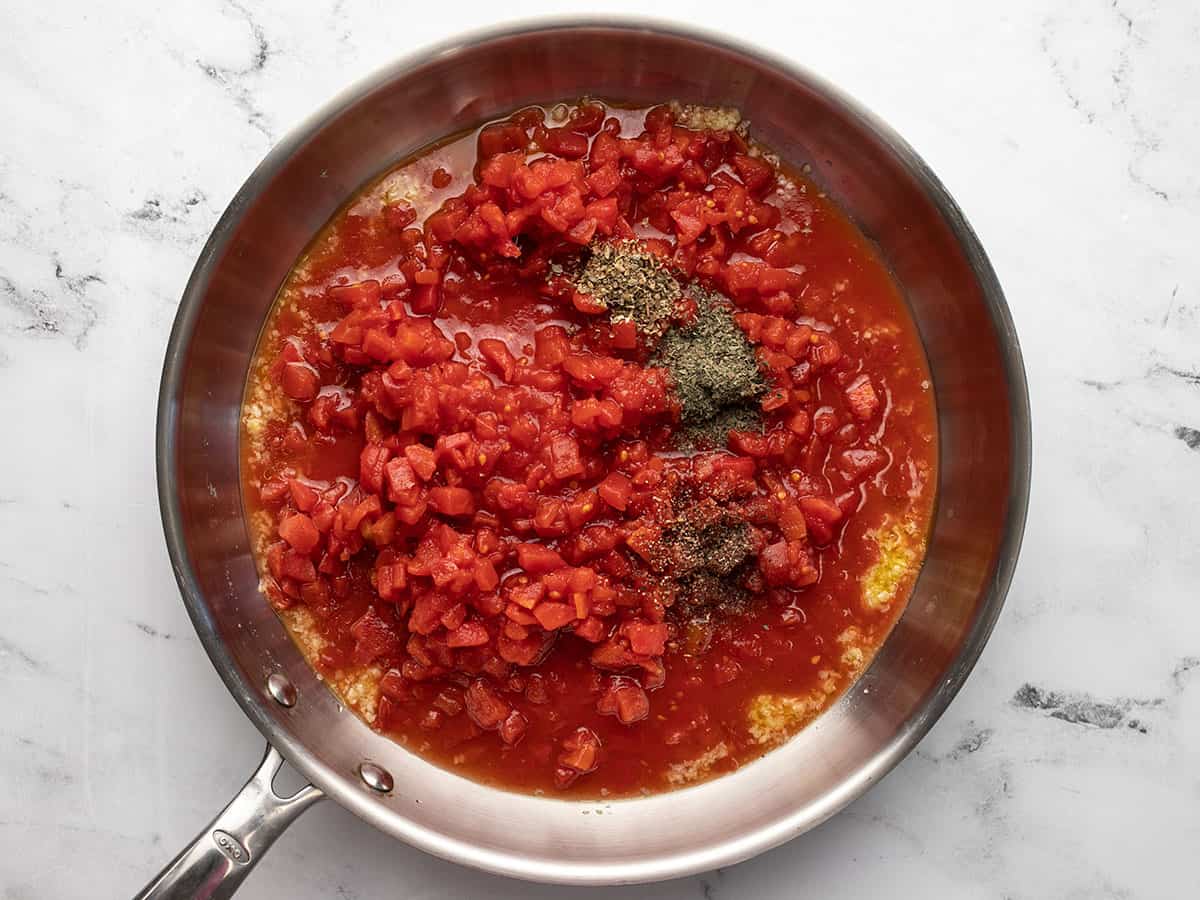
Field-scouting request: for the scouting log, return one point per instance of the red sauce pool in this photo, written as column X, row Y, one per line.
column 454, row 508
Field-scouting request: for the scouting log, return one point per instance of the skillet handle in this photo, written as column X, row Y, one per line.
column 223, row 854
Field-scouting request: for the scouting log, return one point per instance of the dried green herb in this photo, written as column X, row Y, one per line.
column 632, row 284
column 716, row 375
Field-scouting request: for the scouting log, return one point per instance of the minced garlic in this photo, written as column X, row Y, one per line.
column 900, row 551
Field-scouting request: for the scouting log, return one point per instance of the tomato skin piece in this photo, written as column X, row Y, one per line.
column 499, row 358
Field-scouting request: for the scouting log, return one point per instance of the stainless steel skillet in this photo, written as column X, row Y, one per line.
column 983, row 419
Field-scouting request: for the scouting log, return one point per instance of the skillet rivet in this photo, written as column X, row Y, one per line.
column 376, row 777
column 281, row 689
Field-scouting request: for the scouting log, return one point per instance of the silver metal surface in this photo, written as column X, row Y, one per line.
column 222, row 855
column 376, row 777
column 983, row 419
column 281, row 689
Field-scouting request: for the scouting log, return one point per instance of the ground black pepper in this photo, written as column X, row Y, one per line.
column 705, row 551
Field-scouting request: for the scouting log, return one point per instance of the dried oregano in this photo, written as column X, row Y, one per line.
column 632, row 284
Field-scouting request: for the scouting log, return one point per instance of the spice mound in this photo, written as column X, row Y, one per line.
column 707, row 551
column 714, row 371
column 632, row 284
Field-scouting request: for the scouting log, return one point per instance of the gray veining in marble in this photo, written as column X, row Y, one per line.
column 1069, row 132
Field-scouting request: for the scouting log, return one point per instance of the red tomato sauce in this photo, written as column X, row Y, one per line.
column 462, row 476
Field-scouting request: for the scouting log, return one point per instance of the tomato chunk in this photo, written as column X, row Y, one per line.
column 299, row 531
column 452, row 501
column 485, row 706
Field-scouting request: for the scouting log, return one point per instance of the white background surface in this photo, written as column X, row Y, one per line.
column 1070, row 134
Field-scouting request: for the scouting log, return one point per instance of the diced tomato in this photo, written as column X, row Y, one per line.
column 861, row 461
column 300, row 381
column 554, row 615
column 484, row 705
column 452, row 501
column 632, row 704
column 792, row 523
column 304, row 498
column 581, row 751
column 374, row 637
column 787, row 564
column 468, row 634
column 613, row 656
column 644, row 638
column 402, row 481
column 565, row 461
column 604, row 180
column 862, row 399
column 371, row 467
column 592, row 371
column 362, row 293
column 422, row 460
column 299, row 531
column 499, row 358
column 512, row 729
column 550, row 346
column 486, row 578
column 824, row 350
column 522, row 652
column 591, row 629
column 500, row 138
column 616, row 490
column 820, row 510
column 536, row 558
column 800, row 423
column 755, row 172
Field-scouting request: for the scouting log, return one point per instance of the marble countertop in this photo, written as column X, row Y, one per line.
column 1069, row 766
